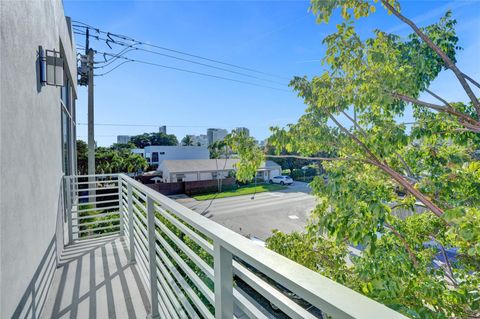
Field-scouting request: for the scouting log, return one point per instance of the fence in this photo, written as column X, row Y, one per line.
column 193, row 187
column 190, row 263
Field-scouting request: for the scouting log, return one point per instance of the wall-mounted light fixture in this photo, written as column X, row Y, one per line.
column 51, row 67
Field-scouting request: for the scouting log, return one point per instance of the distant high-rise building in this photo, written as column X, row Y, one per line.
column 123, row 139
column 216, row 134
column 162, row 129
column 242, row 129
column 199, row 140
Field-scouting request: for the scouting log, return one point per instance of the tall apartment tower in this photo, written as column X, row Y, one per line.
column 123, row 139
column 216, row 134
column 242, row 129
column 162, row 129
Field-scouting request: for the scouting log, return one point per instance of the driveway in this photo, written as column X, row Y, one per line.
column 286, row 210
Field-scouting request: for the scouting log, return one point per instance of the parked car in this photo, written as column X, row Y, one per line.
column 282, row 180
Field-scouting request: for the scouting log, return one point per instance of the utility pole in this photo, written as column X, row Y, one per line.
column 91, row 135
column 89, row 53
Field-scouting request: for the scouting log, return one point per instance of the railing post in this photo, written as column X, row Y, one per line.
column 131, row 236
column 120, row 204
column 152, row 243
column 223, row 275
column 68, row 186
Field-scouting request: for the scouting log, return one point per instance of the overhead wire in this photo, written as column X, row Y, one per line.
column 112, row 69
column 157, row 125
column 127, row 38
column 133, row 46
column 189, row 71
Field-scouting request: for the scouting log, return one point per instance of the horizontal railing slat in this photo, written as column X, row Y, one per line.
column 189, row 271
column 174, row 285
column 96, row 215
column 187, row 231
column 189, row 252
column 184, row 284
column 99, row 228
column 287, row 305
column 175, row 288
column 95, row 208
column 99, row 222
column 95, row 195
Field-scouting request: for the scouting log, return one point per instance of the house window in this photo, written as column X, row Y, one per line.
column 68, row 133
column 68, row 128
column 154, row 157
column 180, row 177
column 162, row 153
column 214, row 175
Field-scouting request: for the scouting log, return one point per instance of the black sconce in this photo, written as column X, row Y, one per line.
column 51, row 67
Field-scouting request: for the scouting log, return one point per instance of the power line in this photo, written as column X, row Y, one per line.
column 126, row 38
column 112, row 69
column 134, row 48
column 157, row 125
column 188, row 71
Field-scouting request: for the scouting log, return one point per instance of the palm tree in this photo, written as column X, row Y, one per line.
column 187, row 141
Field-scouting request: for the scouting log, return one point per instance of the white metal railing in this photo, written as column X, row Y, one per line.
column 195, row 267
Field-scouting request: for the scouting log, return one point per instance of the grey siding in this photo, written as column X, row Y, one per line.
column 30, row 153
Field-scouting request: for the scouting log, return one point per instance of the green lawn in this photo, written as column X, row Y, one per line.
column 244, row 190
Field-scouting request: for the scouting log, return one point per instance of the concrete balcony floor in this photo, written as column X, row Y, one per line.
column 95, row 280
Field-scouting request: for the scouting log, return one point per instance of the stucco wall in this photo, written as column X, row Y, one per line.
column 30, row 148
column 205, row 176
column 177, row 152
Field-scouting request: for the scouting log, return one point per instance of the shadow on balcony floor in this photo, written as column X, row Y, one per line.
column 95, row 280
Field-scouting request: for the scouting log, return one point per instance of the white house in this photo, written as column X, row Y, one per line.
column 208, row 169
column 155, row 155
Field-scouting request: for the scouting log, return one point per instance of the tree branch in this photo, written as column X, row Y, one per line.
column 405, row 244
column 411, row 189
column 407, row 168
column 447, row 262
column 400, row 179
column 438, row 98
column 352, row 136
column 471, row 80
column 314, row 158
column 449, row 63
column 472, row 124
column 355, row 123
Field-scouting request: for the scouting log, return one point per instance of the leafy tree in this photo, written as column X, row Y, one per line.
column 249, row 152
column 218, row 149
column 163, row 139
column 187, row 141
column 114, row 159
column 289, row 163
column 141, row 140
column 123, row 146
column 147, row 139
column 82, row 157
column 108, row 160
column 378, row 166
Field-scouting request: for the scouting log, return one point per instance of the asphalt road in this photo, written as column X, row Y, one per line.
column 286, row 210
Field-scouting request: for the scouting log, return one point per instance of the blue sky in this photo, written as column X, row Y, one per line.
column 277, row 37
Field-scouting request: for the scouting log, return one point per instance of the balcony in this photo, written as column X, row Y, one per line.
column 135, row 253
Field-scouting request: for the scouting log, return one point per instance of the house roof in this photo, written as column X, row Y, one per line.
column 208, row 165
